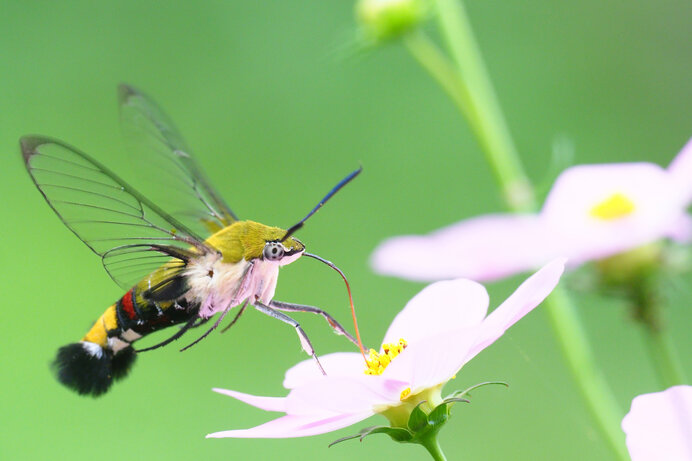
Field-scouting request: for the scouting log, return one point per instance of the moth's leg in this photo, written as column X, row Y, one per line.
column 304, row 341
column 190, row 323
column 289, row 307
column 200, row 322
column 206, row 333
column 237, row 316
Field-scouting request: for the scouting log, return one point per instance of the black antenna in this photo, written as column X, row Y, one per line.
column 291, row 230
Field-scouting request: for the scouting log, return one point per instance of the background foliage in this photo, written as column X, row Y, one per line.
column 278, row 109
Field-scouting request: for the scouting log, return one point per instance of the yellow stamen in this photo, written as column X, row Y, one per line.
column 405, row 393
column 616, row 206
column 376, row 363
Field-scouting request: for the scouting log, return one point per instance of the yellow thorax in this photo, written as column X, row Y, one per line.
column 246, row 240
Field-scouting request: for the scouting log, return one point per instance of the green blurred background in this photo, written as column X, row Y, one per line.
column 278, row 108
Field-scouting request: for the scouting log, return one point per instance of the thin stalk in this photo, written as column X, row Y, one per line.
column 664, row 357
column 574, row 345
column 486, row 115
column 436, row 63
column 647, row 303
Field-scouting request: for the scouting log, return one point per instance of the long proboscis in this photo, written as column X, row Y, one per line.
column 350, row 299
column 291, row 230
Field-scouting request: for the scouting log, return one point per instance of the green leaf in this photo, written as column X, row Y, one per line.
column 418, row 419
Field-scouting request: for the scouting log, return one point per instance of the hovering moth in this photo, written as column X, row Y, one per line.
column 170, row 273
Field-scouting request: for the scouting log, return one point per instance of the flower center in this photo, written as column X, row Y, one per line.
column 376, row 362
column 614, row 207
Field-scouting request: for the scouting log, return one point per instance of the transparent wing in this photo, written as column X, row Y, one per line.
column 132, row 235
column 176, row 182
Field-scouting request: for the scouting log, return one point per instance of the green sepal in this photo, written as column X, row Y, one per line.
column 461, row 394
column 348, row 437
column 439, row 415
column 421, row 427
column 418, row 419
column 397, row 434
column 452, row 400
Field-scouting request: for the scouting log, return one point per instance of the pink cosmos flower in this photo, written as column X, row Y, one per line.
column 592, row 212
column 659, row 426
column 439, row 330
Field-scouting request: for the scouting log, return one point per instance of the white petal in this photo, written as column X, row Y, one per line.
column 580, row 236
column 343, row 395
column 680, row 170
column 482, row 248
column 437, row 359
column 659, row 426
column 336, row 364
column 295, row 426
column 440, row 307
column 432, row 361
column 264, row 403
column 524, row 299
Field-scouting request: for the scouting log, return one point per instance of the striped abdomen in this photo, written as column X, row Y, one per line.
column 105, row 353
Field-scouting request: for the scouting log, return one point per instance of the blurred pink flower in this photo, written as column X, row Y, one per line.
column 659, row 426
column 444, row 326
column 592, row 212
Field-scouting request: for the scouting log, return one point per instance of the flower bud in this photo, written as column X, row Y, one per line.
column 631, row 266
column 382, row 20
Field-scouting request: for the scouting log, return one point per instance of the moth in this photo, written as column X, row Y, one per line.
column 156, row 253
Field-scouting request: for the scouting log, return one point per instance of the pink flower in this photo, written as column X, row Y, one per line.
column 592, row 212
column 659, row 426
column 439, row 330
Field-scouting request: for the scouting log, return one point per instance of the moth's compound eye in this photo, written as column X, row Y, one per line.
column 273, row 251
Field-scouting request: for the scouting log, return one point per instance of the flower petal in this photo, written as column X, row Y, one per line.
column 659, row 425
column 681, row 230
column 436, row 359
column 577, row 234
column 340, row 395
column 336, row 364
column 264, row 403
column 432, row 361
column 483, row 248
column 680, row 170
column 438, row 308
column 294, row 426
column 524, row 299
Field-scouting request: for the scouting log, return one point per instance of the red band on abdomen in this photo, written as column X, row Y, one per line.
column 127, row 305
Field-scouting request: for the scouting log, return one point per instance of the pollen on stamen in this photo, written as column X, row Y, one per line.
column 376, row 362
column 405, row 393
column 616, row 206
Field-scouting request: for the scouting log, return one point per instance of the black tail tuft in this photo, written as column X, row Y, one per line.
column 89, row 369
column 122, row 363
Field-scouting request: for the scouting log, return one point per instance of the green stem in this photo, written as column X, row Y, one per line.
column 590, row 381
column 467, row 82
column 433, row 446
column 428, row 55
column 431, row 58
column 484, row 111
column 647, row 301
column 664, row 356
